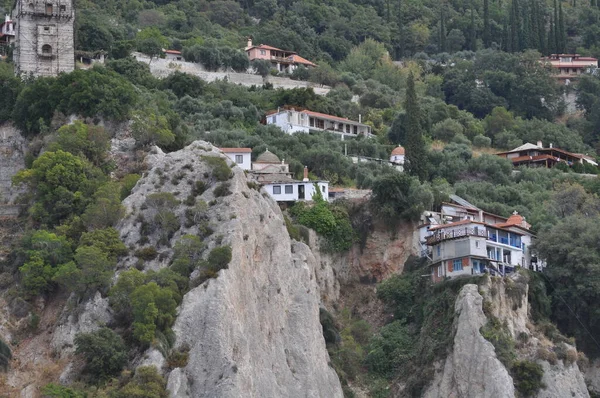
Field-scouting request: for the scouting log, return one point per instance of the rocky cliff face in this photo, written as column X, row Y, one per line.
column 12, row 159
column 254, row 331
column 382, row 256
column 472, row 368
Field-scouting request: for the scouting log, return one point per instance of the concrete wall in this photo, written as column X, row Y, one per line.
column 162, row 68
column 44, row 37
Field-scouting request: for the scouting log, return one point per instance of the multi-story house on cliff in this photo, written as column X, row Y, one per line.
column 44, row 37
column 464, row 240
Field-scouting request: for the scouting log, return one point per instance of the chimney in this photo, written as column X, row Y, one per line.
column 249, row 43
column 551, row 145
column 540, row 144
column 305, row 179
column 359, row 118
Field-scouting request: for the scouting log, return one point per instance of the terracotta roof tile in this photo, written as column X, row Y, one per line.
column 236, row 150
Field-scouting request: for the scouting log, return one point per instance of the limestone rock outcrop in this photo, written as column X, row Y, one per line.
column 254, row 331
column 472, row 369
column 12, row 159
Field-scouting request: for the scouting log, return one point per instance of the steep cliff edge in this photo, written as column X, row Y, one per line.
column 473, row 367
column 254, row 331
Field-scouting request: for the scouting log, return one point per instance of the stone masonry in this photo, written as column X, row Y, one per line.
column 44, row 37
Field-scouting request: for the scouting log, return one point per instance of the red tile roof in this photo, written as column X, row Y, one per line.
column 236, row 150
column 266, row 47
column 172, row 52
column 399, row 150
column 299, row 60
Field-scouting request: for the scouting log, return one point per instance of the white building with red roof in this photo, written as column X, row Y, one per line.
column 292, row 121
column 282, row 60
column 570, row 66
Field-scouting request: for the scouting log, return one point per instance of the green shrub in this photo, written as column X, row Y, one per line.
column 329, row 220
column 147, row 253
column 222, row 190
column 104, row 352
column 178, row 358
column 481, row 141
column 499, row 335
column 527, row 377
column 219, row 258
column 220, row 169
column 147, row 383
column 57, row 391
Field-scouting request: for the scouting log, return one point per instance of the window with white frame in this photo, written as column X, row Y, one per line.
column 276, row 189
column 239, row 159
column 439, row 270
column 289, row 189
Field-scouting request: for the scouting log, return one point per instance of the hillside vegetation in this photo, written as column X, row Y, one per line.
column 469, row 83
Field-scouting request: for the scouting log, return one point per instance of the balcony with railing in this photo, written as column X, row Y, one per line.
column 455, row 234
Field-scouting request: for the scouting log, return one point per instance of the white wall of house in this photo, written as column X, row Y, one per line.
column 279, row 192
column 241, row 159
column 398, row 159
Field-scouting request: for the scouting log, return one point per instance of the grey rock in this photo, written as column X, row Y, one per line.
column 562, row 380
column 472, row 369
column 19, row 307
column 87, row 318
column 12, row 159
column 153, row 357
column 254, row 331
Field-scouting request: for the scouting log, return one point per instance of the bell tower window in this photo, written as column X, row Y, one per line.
column 49, row 8
column 47, row 49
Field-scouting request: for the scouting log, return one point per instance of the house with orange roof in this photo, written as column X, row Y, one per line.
column 282, row 60
column 292, row 120
column 463, row 240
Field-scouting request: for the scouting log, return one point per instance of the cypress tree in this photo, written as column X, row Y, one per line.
column 505, row 36
column 487, row 34
column 551, row 38
column 442, row 29
column 513, row 45
column 472, row 32
column 526, row 34
column 400, row 38
column 416, row 154
column 556, row 29
column 562, row 32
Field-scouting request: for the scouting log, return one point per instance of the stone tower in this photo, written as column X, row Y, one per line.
column 44, row 37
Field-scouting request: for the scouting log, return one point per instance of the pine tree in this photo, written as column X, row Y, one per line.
column 416, row 154
column 442, row 29
column 487, row 34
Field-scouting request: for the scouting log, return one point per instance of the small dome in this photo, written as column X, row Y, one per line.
column 267, row 157
column 515, row 219
column 399, row 150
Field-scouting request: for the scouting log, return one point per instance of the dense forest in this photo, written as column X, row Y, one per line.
column 452, row 81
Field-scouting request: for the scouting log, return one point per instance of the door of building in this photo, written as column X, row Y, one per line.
column 301, row 192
